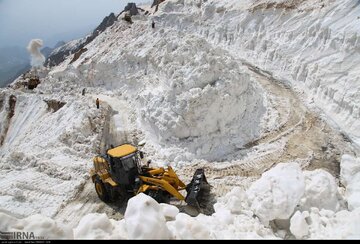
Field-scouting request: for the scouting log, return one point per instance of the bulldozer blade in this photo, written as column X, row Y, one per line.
column 197, row 190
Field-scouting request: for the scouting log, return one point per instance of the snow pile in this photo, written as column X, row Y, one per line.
column 144, row 219
column 350, row 177
column 99, row 226
column 169, row 211
column 186, row 227
column 45, row 153
column 190, row 96
column 207, row 96
column 276, row 194
column 233, row 219
column 40, row 226
column 321, row 191
column 325, row 224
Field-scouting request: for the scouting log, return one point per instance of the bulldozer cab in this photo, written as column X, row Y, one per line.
column 124, row 164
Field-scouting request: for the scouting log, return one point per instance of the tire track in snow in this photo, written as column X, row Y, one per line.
column 306, row 138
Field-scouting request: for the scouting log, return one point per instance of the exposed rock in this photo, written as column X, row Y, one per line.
column 59, row 54
column 54, row 105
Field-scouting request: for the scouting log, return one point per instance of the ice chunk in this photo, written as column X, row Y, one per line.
column 277, row 192
column 144, row 219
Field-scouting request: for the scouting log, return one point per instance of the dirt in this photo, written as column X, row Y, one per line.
column 54, row 105
column 7, row 122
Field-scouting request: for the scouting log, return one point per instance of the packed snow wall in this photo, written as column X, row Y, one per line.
column 48, row 142
column 313, row 45
column 190, row 96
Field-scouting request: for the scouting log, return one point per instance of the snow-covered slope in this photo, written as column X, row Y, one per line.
column 42, row 156
column 235, row 87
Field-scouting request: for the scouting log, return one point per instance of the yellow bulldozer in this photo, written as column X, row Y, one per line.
column 120, row 173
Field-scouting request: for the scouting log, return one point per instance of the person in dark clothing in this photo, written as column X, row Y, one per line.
column 97, row 103
column 83, row 92
column 153, row 24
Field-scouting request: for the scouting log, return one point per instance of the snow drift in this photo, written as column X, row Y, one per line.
column 146, row 219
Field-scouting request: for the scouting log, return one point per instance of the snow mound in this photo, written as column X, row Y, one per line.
column 349, row 167
column 186, row 227
column 321, row 191
column 192, row 97
column 276, row 194
column 350, row 177
column 352, row 194
column 211, row 108
column 94, row 226
column 236, row 201
column 169, row 211
column 298, row 224
column 326, row 224
column 40, row 226
column 144, row 219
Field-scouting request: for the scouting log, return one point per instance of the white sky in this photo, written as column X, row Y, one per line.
column 52, row 20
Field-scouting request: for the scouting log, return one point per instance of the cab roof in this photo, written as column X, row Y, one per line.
column 122, row 150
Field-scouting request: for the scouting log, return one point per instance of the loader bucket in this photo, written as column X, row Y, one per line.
column 197, row 190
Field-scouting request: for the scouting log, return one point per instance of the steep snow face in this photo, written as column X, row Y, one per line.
column 306, row 43
column 208, row 107
column 233, row 219
column 191, row 96
column 47, row 145
column 40, row 226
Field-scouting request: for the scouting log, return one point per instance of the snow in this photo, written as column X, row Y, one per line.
column 298, row 225
column 169, row 211
column 321, row 191
column 350, row 176
column 41, row 226
column 184, row 227
column 94, row 226
column 342, row 225
column 144, row 219
column 349, row 167
column 276, row 194
column 231, row 86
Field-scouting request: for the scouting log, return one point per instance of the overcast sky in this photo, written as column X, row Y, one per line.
column 52, row 20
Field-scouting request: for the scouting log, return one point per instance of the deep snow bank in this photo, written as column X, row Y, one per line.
column 45, row 152
column 190, row 95
column 310, row 44
column 234, row 218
